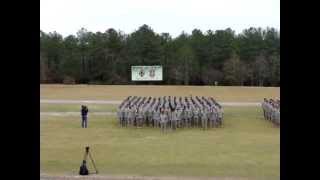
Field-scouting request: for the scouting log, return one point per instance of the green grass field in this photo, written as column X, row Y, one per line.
column 247, row 146
column 117, row 92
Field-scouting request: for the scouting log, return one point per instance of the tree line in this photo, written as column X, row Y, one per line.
column 250, row 58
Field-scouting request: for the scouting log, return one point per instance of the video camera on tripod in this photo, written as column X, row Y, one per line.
column 83, row 168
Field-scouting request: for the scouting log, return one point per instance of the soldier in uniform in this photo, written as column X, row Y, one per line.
column 268, row 110
column 174, row 119
column 119, row 114
column 122, row 117
column 139, row 116
column 196, row 117
column 156, row 117
column 144, row 115
column 126, row 116
column 168, row 116
column 211, row 117
column 182, row 117
column 277, row 116
column 149, row 116
column 220, row 116
column 189, row 115
column 273, row 113
column 135, row 119
column 263, row 105
column 204, row 118
column 131, row 117
column 163, row 121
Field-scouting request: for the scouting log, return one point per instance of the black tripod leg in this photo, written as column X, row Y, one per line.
column 85, row 156
column 94, row 165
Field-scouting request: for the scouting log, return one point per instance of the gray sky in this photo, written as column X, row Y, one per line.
column 172, row 16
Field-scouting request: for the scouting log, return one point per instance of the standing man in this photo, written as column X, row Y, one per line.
column 220, row 115
column 188, row 116
column 139, row 117
column 277, row 116
column 131, row 116
column 174, row 119
column 156, row 117
column 122, row 117
column 181, row 118
column 126, row 116
column 168, row 117
column 268, row 109
column 84, row 115
column 263, row 105
column 149, row 115
column 211, row 117
column 204, row 118
column 163, row 120
column 273, row 113
column 196, row 116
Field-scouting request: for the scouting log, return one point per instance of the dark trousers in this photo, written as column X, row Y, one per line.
column 84, row 122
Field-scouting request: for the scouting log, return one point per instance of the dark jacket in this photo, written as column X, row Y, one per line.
column 84, row 111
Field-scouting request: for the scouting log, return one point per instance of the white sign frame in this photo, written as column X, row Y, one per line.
column 146, row 73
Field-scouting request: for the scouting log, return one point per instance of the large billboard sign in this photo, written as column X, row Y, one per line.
column 146, row 73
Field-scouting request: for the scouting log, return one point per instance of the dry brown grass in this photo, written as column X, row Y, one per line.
column 119, row 92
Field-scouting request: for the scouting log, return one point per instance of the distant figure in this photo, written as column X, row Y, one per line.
column 174, row 119
column 163, row 121
column 84, row 115
column 156, row 118
column 204, row 118
column 196, row 116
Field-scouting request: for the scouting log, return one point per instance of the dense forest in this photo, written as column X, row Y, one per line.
column 250, row 58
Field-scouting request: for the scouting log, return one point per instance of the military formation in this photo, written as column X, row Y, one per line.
column 271, row 110
column 169, row 112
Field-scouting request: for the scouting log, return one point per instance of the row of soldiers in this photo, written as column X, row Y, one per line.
column 170, row 112
column 271, row 110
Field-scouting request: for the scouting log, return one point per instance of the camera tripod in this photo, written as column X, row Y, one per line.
column 86, row 154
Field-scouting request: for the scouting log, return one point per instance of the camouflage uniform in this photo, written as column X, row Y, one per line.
column 119, row 114
column 163, row 122
column 126, row 116
column 139, row 116
column 277, row 116
column 149, row 115
column 204, row 118
column 220, row 116
column 189, row 116
column 156, row 118
column 182, row 117
column 131, row 117
column 196, row 117
column 174, row 120
column 122, row 115
column 263, row 105
column 268, row 111
column 212, row 117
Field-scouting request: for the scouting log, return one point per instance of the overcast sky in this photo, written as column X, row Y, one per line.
column 172, row 16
